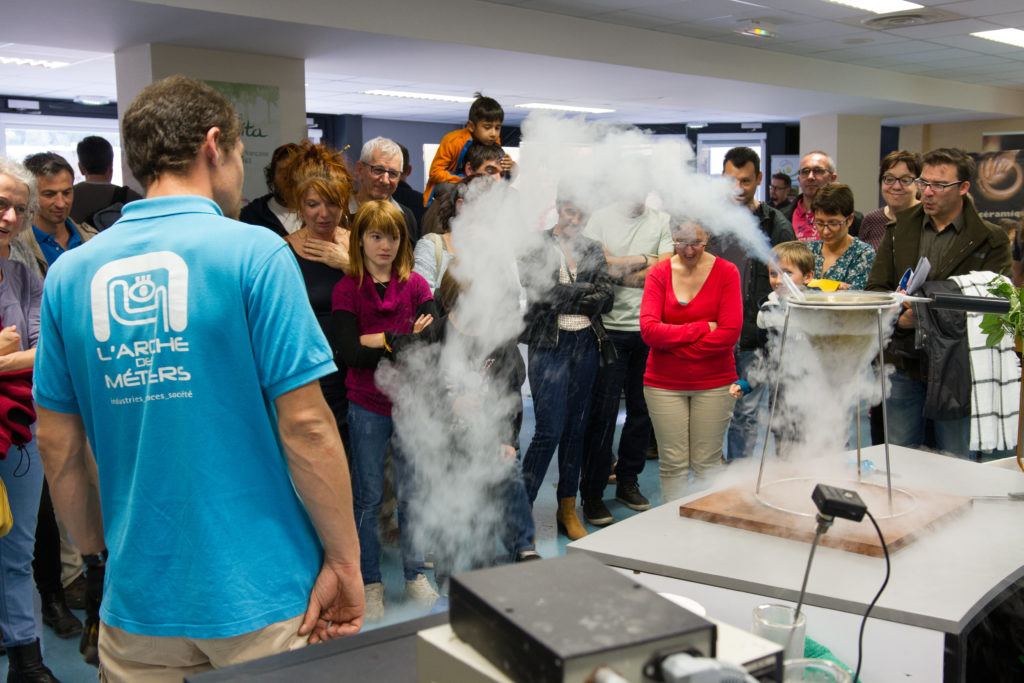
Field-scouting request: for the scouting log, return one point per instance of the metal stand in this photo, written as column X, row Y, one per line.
column 885, row 418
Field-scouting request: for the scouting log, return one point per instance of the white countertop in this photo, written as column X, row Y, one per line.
column 938, row 582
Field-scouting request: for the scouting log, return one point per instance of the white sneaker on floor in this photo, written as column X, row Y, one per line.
column 373, row 593
column 421, row 592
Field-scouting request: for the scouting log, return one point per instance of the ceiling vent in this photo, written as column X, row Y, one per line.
column 915, row 17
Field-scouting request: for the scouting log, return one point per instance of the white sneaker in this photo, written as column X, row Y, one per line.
column 373, row 593
column 421, row 592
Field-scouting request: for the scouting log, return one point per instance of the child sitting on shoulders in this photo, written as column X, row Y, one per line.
column 448, row 166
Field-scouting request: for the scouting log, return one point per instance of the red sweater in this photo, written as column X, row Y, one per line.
column 685, row 354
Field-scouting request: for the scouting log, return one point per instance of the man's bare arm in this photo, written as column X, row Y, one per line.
column 621, row 266
column 316, row 462
column 638, row 278
column 71, row 473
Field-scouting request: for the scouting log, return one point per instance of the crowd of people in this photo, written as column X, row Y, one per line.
column 184, row 312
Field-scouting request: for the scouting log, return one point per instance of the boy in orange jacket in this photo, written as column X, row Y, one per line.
column 483, row 126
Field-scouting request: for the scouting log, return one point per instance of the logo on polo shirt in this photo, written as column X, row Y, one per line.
column 149, row 289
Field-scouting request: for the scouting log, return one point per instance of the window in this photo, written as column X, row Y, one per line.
column 711, row 149
column 27, row 134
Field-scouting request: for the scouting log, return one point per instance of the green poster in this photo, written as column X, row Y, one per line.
column 260, row 112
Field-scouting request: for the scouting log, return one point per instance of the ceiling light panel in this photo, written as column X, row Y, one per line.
column 1010, row 36
column 879, row 6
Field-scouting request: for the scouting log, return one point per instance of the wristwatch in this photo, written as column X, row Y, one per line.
column 95, row 560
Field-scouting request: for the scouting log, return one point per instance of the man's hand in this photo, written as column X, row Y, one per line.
column 906, row 319
column 335, row 604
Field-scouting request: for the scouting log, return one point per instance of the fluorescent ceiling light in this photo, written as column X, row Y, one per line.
column 418, row 95
column 1010, row 36
column 564, row 107
column 21, row 61
column 879, row 6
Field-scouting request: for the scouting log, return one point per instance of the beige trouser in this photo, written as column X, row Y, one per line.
column 70, row 558
column 133, row 658
column 690, row 428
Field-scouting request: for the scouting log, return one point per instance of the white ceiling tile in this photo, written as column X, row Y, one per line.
column 944, row 28
column 980, row 8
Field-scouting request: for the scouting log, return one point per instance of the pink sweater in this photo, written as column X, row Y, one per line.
column 686, row 355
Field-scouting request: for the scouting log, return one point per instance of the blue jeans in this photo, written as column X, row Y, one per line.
column 905, row 415
column 560, row 379
column 23, row 476
column 749, row 414
column 518, row 532
column 370, row 433
column 626, row 372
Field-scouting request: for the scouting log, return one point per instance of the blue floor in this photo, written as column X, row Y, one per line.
column 66, row 663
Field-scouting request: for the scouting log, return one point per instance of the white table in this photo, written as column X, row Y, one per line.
column 939, row 582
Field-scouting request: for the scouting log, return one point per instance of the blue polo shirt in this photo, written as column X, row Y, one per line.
column 171, row 334
column 50, row 247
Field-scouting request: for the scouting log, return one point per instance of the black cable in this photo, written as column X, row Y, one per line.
column 864, row 621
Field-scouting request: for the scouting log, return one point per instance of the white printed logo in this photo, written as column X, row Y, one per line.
column 149, row 289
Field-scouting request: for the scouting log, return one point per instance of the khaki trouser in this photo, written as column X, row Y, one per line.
column 690, row 427
column 133, row 658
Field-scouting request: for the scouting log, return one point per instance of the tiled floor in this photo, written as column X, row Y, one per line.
column 63, row 658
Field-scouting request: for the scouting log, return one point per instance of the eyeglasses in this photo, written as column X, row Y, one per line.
column 380, row 171
column 890, row 180
column 19, row 211
column 687, row 244
column 816, row 171
column 831, row 225
column 935, row 187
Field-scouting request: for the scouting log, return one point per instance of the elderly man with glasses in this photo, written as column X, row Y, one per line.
column 816, row 171
column 946, row 228
column 378, row 170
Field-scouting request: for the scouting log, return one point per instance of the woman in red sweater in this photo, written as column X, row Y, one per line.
column 691, row 316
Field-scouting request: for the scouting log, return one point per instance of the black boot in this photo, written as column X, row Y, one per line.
column 26, row 665
column 57, row 616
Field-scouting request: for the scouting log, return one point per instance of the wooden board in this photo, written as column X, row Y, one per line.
column 738, row 507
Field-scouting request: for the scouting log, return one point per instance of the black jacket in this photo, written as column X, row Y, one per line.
column 979, row 246
column 946, row 364
column 590, row 295
column 257, row 212
column 753, row 273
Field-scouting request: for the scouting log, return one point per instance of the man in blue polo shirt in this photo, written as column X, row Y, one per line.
column 172, row 341
column 52, row 227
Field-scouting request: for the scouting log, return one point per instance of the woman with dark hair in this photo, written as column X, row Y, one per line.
column 838, row 255
column 316, row 186
column 378, row 298
column 568, row 288
column 896, row 176
column 271, row 210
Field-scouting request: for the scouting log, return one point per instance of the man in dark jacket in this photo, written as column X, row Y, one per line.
column 269, row 210
column 744, row 166
column 945, row 228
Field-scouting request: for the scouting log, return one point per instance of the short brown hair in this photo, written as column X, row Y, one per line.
column 319, row 168
column 380, row 216
column 797, row 253
column 166, row 124
column 834, row 199
column 953, row 157
column 911, row 159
